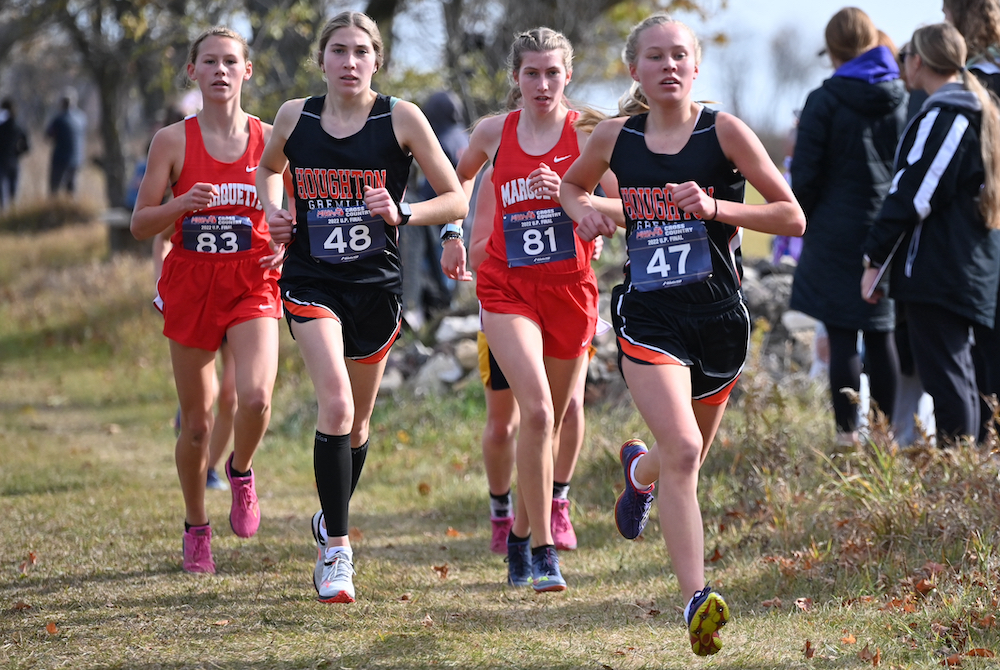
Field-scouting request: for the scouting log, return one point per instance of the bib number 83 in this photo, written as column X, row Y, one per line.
column 658, row 263
column 223, row 243
column 359, row 239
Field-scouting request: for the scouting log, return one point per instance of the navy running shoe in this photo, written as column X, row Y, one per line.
column 632, row 507
column 545, row 571
column 519, row 563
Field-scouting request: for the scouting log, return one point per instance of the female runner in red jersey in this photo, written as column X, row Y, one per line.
column 218, row 281
column 536, row 288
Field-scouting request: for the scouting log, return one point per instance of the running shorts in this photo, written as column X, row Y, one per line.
column 712, row 340
column 369, row 317
column 564, row 307
column 202, row 296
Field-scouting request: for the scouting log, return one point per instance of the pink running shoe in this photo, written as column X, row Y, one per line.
column 562, row 529
column 501, row 529
column 198, row 550
column 244, row 515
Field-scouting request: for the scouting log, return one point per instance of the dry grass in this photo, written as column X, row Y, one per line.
column 828, row 561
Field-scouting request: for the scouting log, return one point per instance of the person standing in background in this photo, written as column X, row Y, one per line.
column 979, row 23
column 13, row 145
column 841, row 171
column 940, row 226
column 68, row 132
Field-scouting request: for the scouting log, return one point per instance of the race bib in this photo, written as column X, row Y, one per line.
column 345, row 234
column 538, row 236
column 669, row 254
column 212, row 234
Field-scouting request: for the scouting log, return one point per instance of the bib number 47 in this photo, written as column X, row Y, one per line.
column 658, row 264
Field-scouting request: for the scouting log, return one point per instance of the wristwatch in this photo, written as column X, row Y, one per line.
column 405, row 212
column 450, row 231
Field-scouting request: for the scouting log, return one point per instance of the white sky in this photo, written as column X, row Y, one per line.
column 749, row 23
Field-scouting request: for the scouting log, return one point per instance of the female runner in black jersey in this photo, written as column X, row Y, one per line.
column 682, row 325
column 350, row 152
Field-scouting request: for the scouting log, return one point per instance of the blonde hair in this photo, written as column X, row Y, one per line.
column 979, row 23
column 849, row 34
column 358, row 20
column 942, row 49
column 217, row 31
column 634, row 100
column 536, row 40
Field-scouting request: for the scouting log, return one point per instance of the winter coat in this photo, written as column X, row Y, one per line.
column 841, row 171
column 947, row 256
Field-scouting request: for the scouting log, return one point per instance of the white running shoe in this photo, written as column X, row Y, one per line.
column 333, row 576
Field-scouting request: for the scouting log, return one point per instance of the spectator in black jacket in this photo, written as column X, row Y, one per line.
column 979, row 23
column 13, row 144
column 942, row 218
column 841, row 171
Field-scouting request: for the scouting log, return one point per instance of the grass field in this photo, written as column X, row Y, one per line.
column 876, row 558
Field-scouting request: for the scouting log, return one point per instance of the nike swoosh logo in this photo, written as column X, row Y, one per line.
column 251, row 169
column 560, row 159
column 263, row 308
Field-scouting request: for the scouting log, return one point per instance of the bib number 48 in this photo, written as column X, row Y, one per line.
column 358, row 239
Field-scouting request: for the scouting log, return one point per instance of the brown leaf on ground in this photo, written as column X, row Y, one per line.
column 809, row 651
column 716, row 556
column 221, row 622
column 355, row 535
column 987, row 621
column 849, row 639
column 932, row 568
column 442, row 570
column 452, row 532
column 804, row 604
column 866, row 655
column 903, row 604
column 982, row 653
column 423, row 488
column 32, row 557
column 877, row 658
column 773, row 602
column 51, row 628
column 952, row 661
column 923, row 587
column 20, row 606
column 427, row 621
column 405, row 596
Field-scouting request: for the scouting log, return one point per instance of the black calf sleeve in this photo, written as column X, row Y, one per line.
column 333, row 468
column 357, row 463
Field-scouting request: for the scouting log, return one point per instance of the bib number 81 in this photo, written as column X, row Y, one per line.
column 534, row 244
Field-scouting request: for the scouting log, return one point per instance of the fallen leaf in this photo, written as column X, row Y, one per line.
column 923, row 587
column 849, row 639
column 952, row 660
column 452, row 532
column 221, row 622
column 987, row 621
column 983, row 653
column 877, row 658
column 809, row 651
column 804, row 604
column 716, row 556
column 424, row 488
column 442, row 570
column 934, row 568
column 33, row 557
column 773, row 602
column 427, row 622
column 866, row 655
column 355, row 535
column 20, row 606
column 405, row 596
column 50, row 628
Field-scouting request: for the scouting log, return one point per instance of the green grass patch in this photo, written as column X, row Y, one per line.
column 828, row 560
